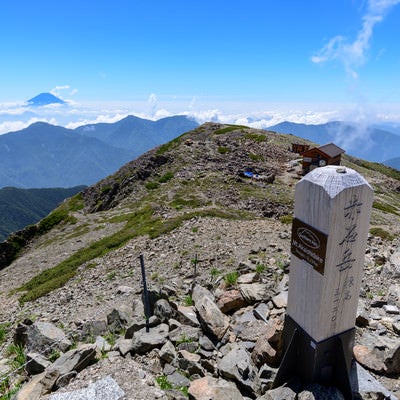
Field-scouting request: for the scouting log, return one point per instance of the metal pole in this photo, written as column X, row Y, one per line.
column 195, row 265
column 145, row 294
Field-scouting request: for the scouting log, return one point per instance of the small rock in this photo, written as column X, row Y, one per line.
column 212, row 388
column 390, row 309
column 125, row 290
column 178, row 380
column 44, row 337
column 168, row 352
column 262, row 312
column 163, row 310
column 238, row 365
column 187, row 315
column 124, row 346
column 231, row 300
column 280, row 300
column 143, row 341
column 254, row 292
column 251, row 277
column 36, row 363
column 102, row 345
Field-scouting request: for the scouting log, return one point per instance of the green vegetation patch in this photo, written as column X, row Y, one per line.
column 385, row 235
column 76, row 202
column 170, row 145
column 256, row 137
column 383, row 169
column 164, row 384
column 17, row 356
column 223, row 150
column 190, row 201
column 231, row 278
column 60, row 214
column 4, row 329
column 226, row 130
column 152, row 185
column 6, row 392
column 138, row 223
column 166, row 177
column 286, row 219
column 256, row 157
column 385, row 207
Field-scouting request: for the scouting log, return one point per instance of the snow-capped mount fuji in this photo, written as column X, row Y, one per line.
column 44, row 99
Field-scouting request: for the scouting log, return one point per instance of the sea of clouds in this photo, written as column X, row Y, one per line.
column 15, row 116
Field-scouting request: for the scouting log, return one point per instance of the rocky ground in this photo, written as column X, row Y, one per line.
column 239, row 267
column 219, row 246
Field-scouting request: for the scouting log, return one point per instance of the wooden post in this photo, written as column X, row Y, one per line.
column 329, row 234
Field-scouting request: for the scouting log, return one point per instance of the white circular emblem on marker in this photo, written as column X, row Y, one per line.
column 308, row 237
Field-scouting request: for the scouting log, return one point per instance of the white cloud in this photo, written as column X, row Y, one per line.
column 99, row 119
column 11, row 126
column 13, row 116
column 353, row 54
column 152, row 100
column 59, row 91
column 56, row 91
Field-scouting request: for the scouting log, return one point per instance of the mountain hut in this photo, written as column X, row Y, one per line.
column 328, row 154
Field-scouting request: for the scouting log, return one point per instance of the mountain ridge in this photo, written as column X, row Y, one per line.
column 45, row 155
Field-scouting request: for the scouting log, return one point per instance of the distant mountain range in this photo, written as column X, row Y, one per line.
column 44, row 155
column 44, row 99
column 22, row 207
column 393, row 162
column 373, row 144
column 137, row 134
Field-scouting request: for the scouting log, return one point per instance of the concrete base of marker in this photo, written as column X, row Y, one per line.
column 328, row 362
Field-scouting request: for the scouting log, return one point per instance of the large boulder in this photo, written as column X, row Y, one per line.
column 44, row 338
column 38, row 386
column 75, row 360
column 378, row 353
column 143, row 342
column 103, row 389
column 210, row 316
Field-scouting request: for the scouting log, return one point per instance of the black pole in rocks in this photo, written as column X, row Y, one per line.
column 145, row 294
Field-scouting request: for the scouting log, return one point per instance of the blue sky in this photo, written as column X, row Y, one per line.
column 220, row 59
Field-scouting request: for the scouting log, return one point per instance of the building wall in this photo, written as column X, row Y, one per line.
column 314, row 159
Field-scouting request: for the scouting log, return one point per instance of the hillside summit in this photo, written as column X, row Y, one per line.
column 210, row 212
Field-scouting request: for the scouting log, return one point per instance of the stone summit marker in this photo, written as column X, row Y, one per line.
column 329, row 234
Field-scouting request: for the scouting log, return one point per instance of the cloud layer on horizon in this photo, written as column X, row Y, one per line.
column 16, row 116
